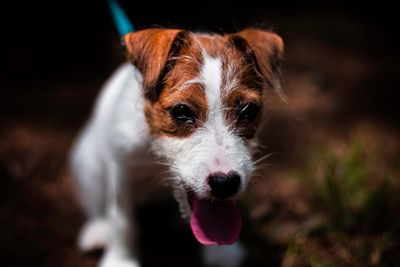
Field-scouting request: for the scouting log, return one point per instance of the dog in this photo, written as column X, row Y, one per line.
column 194, row 101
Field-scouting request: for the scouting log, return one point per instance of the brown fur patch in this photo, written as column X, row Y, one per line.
column 158, row 114
column 233, row 103
column 149, row 50
column 264, row 48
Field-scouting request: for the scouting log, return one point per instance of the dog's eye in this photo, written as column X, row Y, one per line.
column 248, row 112
column 182, row 113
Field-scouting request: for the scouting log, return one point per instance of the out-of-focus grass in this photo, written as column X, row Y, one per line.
column 355, row 194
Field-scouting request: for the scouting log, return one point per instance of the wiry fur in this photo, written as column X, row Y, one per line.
column 131, row 128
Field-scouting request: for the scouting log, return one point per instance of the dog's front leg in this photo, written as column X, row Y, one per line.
column 120, row 251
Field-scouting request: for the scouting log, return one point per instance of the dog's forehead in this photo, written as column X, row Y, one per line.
column 214, row 45
column 223, row 68
column 211, row 58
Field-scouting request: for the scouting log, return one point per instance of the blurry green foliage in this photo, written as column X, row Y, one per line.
column 359, row 208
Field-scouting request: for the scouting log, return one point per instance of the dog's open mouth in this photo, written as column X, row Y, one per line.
column 215, row 222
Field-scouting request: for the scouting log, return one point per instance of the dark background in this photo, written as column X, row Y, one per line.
column 340, row 68
column 63, row 42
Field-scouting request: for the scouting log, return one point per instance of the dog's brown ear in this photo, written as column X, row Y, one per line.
column 150, row 50
column 264, row 49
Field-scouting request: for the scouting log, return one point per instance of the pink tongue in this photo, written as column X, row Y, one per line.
column 215, row 223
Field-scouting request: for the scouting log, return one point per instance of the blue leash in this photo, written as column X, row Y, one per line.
column 121, row 20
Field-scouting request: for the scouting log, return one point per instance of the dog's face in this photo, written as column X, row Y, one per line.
column 205, row 99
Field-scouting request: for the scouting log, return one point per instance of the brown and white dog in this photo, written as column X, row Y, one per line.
column 194, row 100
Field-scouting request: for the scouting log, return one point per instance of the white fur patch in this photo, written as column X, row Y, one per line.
column 211, row 74
column 94, row 235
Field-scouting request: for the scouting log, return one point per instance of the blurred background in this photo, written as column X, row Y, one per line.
column 329, row 194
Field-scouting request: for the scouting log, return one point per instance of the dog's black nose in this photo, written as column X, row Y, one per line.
column 224, row 185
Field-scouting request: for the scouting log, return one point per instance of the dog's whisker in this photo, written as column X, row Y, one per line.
column 163, row 163
column 263, row 158
column 262, row 166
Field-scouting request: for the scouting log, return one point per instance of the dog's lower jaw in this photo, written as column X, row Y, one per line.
column 223, row 256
